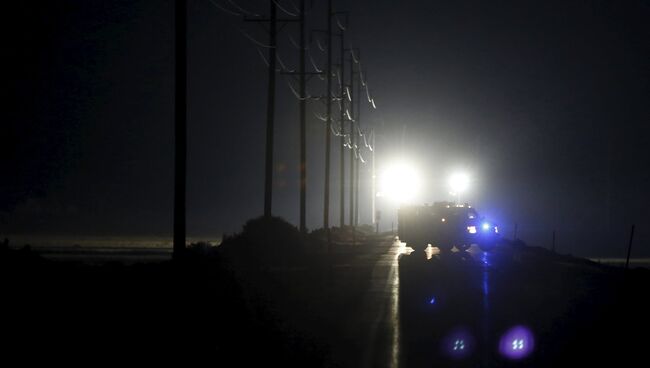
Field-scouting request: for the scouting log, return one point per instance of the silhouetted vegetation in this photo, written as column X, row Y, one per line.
column 192, row 309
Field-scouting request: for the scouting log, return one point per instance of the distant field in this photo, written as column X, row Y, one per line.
column 634, row 262
column 46, row 241
column 96, row 249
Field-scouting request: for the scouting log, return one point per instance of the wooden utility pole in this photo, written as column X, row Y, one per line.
column 180, row 130
column 303, row 134
column 357, row 118
column 373, row 190
column 342, row 126
column 629, row 248
column 350, row 114
column 328, row 127
column 270, row 112
column 270, row 103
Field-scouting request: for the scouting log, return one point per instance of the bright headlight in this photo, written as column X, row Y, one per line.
column 400, row 182
column 471, row 229
column 459, row 182
column 486, row 226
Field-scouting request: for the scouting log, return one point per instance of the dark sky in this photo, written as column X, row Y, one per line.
column 545, row 103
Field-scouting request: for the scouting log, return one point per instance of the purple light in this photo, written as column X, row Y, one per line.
column 517, row 343
column 458, row 344
column 432, row 300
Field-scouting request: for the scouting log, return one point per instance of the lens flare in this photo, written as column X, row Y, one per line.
column 517, row 343
column 458, row 344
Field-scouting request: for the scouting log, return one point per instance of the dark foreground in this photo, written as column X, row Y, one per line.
column 267, row 299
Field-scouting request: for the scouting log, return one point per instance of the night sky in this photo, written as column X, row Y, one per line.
column 545, row 103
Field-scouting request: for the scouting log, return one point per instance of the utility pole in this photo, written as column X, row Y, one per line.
column 357, row 169
column 302, row 97
column 373, row 194
column 303, row 138
column 270, row 104
column 352, row 161
column 180, row 130
column 358, row 166
column 328, row 128
column 270, row 113
column 629, row 249
column 342, row 126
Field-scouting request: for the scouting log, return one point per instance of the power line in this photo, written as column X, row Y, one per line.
column 351, row 140
column 282, row 65
column 236, row 6
column 285, row 10
column 222, row 8
column 256, row 42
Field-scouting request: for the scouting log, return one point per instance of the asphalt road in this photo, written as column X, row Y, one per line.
column 414, row 304
column 447, row 307
column 518, row 306
column 380, row 319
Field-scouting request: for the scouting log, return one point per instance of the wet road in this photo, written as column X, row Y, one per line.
column 381, row 306
column 366, row 333
column 407, row 312
column 503, row 308
column 445, row 308
column 412, row 312
column 515, row 307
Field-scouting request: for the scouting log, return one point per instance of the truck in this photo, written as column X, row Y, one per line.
column 445, row 225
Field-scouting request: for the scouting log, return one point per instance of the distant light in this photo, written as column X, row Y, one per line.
column 496, row 229
column 486, row 226
column 432, row 300
column 443, row 220
column 471, row 229
column 516, row 343
column 459, row 182
column 459, row 344
column 400, row 182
